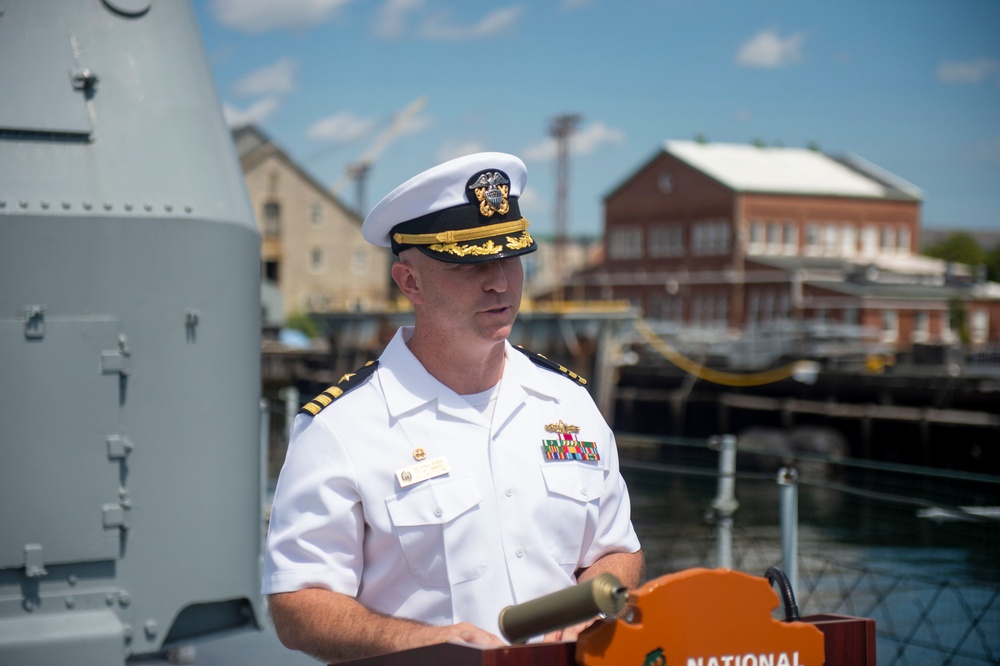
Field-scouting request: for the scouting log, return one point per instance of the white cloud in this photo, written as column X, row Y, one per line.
column 343, row 127
column 395, row 17
column 255, row 114
column 276, row 79
column 530, row 199
column 986, row 150
column 262, row 15
column 440, row 29
column 582, row 142
column 767, row 50
column 972, row 71
column 392, row 18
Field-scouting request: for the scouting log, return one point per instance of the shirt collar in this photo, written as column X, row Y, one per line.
column 407, row 385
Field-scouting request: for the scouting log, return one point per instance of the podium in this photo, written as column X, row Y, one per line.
column 699, row 616
column 848, row 641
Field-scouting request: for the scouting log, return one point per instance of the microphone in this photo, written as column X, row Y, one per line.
column 604, row 594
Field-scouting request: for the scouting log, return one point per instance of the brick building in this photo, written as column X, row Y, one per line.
column 737, row 237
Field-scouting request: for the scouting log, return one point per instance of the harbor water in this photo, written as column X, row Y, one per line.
column 918, row 550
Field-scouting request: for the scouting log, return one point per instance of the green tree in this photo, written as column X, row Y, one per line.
column 959, row 247
column 993, row 264
column 303, row 322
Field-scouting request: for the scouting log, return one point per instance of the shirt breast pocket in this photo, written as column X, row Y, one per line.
column 439, row 531
column 574, row 491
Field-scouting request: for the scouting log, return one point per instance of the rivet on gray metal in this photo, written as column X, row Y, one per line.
column 34, row 561
column 118, row 447
column 34, row 322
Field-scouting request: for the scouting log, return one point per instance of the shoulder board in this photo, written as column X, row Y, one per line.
column 349, row 381
column 543, row 362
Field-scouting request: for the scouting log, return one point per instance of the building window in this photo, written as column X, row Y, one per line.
column 791, row 238
column 756, row 237
column 812, row 238
column 710, row 237
column 722, row 311
column 666, row 240
column 888, row 239
column 272, row 219
column 270, row 271
column 316, row 260
column 316, row 214
column 869, row 241
column 773, row 237
column 979, row 329
column 849, row 241
column 850, row 316
column 890, row 325
column 625, row 244
column 361, row 261
column 921, row 326
column 903, row 240
column 830, row 235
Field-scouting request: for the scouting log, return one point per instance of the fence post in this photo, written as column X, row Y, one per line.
column 725, row 503
column 290, row 394
column 788, row 483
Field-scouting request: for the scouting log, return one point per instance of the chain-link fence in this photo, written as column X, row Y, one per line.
column 918, row 550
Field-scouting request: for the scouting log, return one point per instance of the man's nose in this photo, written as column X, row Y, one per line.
column 496, row 277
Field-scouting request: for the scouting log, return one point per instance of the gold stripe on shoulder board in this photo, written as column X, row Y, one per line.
column 544, row 362
column 347, row 382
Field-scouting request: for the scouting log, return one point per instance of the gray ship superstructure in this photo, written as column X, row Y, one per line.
column 130, row 481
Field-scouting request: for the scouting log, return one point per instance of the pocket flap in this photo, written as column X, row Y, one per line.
column 434, row 503
column 582, row 483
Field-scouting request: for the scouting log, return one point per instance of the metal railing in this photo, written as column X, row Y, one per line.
column 912, row 548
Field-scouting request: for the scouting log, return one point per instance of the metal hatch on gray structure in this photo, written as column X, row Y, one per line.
column 131, row 481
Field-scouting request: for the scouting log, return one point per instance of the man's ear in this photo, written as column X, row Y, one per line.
column 405, row 278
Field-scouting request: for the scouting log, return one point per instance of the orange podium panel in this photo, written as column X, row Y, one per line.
column 702, row 617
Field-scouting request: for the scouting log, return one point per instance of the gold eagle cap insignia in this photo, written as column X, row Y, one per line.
column 491, row 191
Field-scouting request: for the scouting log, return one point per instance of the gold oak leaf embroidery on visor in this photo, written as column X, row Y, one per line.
column 489, row 247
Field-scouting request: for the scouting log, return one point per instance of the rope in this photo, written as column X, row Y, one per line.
column 708, row 374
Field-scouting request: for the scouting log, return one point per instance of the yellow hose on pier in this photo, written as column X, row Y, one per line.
column 807, row 368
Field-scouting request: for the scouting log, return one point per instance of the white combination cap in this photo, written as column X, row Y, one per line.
column 462, row 211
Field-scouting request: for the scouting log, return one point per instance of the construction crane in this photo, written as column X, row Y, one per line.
column 358, row 170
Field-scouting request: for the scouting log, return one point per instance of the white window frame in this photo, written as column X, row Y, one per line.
column 890, row 326
column 849, row 241
column 979, row 326
column 869, row 241
column 921, row 326
column 790, row 238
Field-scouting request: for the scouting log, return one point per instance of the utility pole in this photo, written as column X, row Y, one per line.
column 561, row 129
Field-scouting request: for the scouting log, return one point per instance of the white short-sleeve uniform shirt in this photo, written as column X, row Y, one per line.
column 505, row 525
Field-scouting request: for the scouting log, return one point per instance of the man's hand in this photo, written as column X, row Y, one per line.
column 463, row 632
column 570, row 633
column 334, row 627
column 626, row 567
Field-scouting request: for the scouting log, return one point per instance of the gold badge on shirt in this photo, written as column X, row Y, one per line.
column 423, row 470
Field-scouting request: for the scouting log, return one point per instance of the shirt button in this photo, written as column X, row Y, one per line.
column 438, row 511
column 583, row 491
column 508, row 492
column 519, row 552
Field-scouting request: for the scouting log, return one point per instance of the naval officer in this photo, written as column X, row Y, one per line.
column 457, row 474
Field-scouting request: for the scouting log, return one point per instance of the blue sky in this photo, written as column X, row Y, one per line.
column 911, row 85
